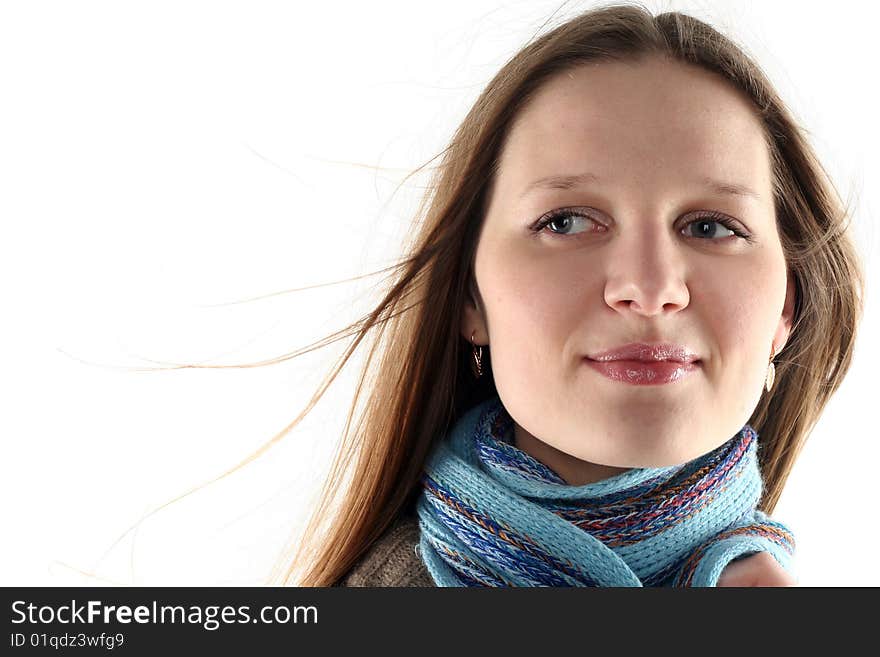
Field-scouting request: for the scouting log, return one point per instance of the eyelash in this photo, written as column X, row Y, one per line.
column 708, row 216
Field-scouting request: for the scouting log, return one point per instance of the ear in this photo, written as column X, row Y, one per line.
column 473, row 320
column 783, row 329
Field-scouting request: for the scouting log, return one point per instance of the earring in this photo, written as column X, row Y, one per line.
column 477, row 364
column 771, row 372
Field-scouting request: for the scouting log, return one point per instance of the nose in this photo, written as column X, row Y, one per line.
column 646, row 275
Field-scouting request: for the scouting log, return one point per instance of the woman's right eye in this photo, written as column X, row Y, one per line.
column 561, row 221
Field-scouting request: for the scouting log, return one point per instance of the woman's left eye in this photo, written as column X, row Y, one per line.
column 709, row 228
column 712, row 227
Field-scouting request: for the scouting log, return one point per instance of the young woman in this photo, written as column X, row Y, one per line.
column 628, row 301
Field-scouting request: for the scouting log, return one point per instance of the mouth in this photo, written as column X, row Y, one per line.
column 647, row 352
column 644, row 372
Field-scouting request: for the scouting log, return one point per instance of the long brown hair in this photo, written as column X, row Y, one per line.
column 416, row 375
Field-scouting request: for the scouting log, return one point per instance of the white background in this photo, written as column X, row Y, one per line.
column 160, row 158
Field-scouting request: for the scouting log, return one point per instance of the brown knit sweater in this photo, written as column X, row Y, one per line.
column 392, row 560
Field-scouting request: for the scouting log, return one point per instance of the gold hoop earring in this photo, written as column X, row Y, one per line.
column 771, row 372
column 477, row 364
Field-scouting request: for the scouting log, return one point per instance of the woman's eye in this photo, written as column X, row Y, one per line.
column 562, row 222
column 708, row 228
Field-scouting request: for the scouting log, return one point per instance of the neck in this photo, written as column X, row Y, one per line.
column 573, row 470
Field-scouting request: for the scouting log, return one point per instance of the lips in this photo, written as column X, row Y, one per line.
column 649, row 353
column 645, row 364
column 642, row 373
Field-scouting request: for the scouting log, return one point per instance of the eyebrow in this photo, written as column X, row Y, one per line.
column 572, row 181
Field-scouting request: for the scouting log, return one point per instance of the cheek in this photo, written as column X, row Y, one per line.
column 533, row 304
column 741, row 306
column 533, row 308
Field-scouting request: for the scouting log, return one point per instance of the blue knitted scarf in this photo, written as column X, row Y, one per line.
column 491, row 515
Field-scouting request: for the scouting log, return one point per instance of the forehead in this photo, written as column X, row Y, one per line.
column 645, row 122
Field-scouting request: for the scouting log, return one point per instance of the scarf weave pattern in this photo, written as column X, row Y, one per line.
column 492, row 515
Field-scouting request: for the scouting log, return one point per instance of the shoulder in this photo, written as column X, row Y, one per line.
column 393, row 560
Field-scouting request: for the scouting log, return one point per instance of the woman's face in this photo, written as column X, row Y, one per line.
column 636, row 260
